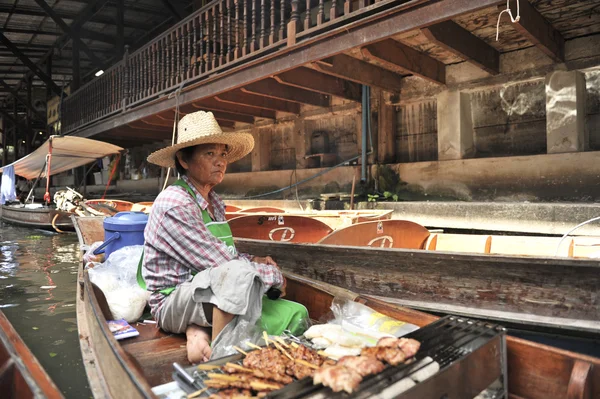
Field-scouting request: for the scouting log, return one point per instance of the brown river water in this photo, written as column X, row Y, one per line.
column 38, row 274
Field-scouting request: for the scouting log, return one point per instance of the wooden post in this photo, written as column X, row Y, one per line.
column 28, row 135
column 307, row 16
column 347, row 7
column 272, row 31
column 76, row 82
column 321, row 13
column 125, row 81
column 4, row 138
column 294, row 25
column 282, row 20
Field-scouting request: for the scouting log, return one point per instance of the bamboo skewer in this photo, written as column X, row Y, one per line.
column 207, row 367
column 307, row 364
column 243, row 352
column 266, row 338
column 282, row 342
column 283, row 351
column 250, row 344
column 197, row 393
column 238, row 367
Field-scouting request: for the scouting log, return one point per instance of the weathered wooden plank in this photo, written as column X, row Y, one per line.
column 404, row 59
column 306, row 78
column 552, row 287
column 455, row 39
column 273, row 89
column 538, row 30
column 243, row 98
column 350, row 68
column 214, row 104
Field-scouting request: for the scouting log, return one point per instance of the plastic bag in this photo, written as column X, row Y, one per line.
column 117, row 278
column 356, row 317
column 89, row 257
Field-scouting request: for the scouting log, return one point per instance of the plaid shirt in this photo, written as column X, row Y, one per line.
column 178, row 242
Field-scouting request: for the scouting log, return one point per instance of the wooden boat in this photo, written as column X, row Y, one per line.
column 109, row 206
column 542, row 291
column 21, row 375
column 279, row 228
column 56, row 155
column 145, row 207
column 130, row 368
column 36, row 216
column 334, row 219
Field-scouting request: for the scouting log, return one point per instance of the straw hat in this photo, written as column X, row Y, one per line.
column 202, row 128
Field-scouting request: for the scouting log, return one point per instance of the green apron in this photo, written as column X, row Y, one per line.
column 277, row 315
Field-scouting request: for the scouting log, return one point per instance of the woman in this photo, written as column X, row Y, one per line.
column 187, row 233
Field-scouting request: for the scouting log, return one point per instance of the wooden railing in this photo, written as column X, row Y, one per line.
column 222, row 34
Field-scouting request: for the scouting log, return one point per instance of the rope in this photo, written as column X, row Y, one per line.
column 175, row 94
column 54, row 225
column 509, row 12
column 112, row 173
column 47, row 198
column 572, row 230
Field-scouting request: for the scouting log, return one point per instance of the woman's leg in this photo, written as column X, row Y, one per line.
column 219, row 321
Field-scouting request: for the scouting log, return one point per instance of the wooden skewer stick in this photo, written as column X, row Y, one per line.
column 223, row 377
column 294, row 345
column 260, row 386
column 243, row 352
column 282, row 342
column 250, row 344
column 266, row 338
column 283, row 351
column 307, row 364
column 238, row 367
column 207, row 367
column 197, row 393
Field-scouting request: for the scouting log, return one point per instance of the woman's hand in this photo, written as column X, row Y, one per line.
column 264, row 259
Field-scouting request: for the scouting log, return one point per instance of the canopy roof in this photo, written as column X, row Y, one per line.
column 68, row 152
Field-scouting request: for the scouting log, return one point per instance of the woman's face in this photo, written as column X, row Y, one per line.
column 207, row 165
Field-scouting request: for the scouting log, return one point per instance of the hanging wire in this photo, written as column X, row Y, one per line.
column 572, row 230
column 175, row 94
column 509, row 12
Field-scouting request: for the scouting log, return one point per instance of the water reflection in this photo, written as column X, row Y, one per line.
column 38, row 273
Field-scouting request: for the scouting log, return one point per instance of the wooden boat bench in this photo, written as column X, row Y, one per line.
column 479, row 244
column 152, row 347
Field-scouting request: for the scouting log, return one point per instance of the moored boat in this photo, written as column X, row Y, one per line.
column 130, row 368
column 21, row 375
column 36, row 216
column 109, row 206
column 56, row 155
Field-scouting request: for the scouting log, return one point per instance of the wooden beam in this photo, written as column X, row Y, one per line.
column 30, row 64
column 306, row 78
column 400, row 58
column 231, row 117
column 455, row 39
column 273, row 89
column 346, row 67
column 22, row 101
column 240, row 97
column 67, row 29
column 538, row 30
column 217, row 105
column 174, row 9
column 226, row 124
column 129, row 131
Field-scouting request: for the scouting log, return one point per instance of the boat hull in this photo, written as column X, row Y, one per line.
column 22, row 375
column 39, row 218
column 122, row 370
column 550, row 292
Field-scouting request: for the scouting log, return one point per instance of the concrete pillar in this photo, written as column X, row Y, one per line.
column 455, row 126
column 565, row 112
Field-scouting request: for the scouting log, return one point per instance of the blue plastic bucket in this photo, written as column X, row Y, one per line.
column 122, row 230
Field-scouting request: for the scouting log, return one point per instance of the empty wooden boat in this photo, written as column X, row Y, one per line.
column 145, row 207
column 542, row 291
column 383, row 234
column 132, row 367
column 109, row 207
column 36, row 216
column 21, row 375
column 279, row 228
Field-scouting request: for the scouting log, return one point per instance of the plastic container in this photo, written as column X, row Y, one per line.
column 122, row 230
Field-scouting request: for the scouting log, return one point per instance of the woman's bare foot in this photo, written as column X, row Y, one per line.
column 198, row 344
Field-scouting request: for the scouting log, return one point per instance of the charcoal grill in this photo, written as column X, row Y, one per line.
column 471, row 356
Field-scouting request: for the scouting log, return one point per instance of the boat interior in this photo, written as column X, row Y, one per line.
column 534, row 371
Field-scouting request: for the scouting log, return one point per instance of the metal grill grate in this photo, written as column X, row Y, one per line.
column 448, row 341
